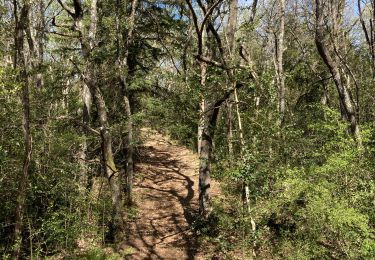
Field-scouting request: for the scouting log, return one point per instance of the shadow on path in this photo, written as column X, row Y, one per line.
column 166, row 207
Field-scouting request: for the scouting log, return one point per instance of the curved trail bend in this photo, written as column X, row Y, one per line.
column 166, row 192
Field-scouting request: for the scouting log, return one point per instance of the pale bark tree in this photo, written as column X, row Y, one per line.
column 83, row 148
column 368, row 27
column 204, row 141
column 229, row 106
column 203, row 77
column 208, row 110
column 212, row 102
column 279, row 63
column 330, row 15
column 87, row 40
column 231, row 55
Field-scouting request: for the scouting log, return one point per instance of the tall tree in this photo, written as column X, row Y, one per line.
column 210, row 52
column 21, row 23
column 279, row 62
column 87, row 41
column 329, row 15
column 125, row 37
column 368, row 27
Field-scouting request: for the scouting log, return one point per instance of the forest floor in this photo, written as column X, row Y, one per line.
column 166, row 197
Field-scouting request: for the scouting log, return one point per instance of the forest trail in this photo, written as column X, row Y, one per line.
column 166, row 193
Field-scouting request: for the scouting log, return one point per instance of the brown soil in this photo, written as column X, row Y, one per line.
column 166, row 191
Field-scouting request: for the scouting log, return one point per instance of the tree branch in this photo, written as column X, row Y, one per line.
column 66, row 8
column 197, row 29
column 208, row 13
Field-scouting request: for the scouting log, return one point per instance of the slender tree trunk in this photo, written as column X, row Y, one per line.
column 239, row 119
column 202, row 103
column 230, row 131
column 232, row 27
column 20, row 63
column 209, row 121
column 205, row 157
column 369, row 31
column 82, row 153
column 112, row 173
column 40, row 35
column 332, row 62
column 87, row 41
column 201, row 120
column 279, row 55
column 127, row 105
column 209, row 113
column 204, row 144
column 122, row 59
column 129, row 151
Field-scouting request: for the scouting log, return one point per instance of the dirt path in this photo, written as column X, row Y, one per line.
column 166, row 195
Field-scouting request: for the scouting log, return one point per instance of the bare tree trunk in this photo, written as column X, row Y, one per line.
column 205, row 152
column 239, row 119
column 205, row 144
column 20, row 63
column 82, row 153
column 232, row 27
column 208, row 123
column 200, row 123
column 129, row 151
column 279, row 54
column 122, row 59
column 230, row 131
column 40, row 35
column 205, row 157
column 112, row 173
column 127, row 105
column 332, row 62
column 209, row 113
column 87, row 41
column 369, row 30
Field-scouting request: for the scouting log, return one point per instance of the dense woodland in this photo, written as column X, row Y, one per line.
column 277, row 98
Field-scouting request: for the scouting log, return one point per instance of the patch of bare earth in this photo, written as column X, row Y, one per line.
column 166, row 190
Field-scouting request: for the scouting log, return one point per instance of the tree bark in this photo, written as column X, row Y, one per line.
column 204, row 141
column 279, row 64
column 209, row 106
column 112, row 173
column 129, row 151
column 232, row 27
column 205, row 157
column 205, row 151
column 123, row 63
column 369, row 30
column 82, row 153
column 230, row 131
column 87, row 41
column 40, row 36
column 20, row 63
column 332, row 62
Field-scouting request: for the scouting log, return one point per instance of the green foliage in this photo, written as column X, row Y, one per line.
column 306, row 208
column 180, row 98
column 99, row 254
column 311, row 188
column 8, row 82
